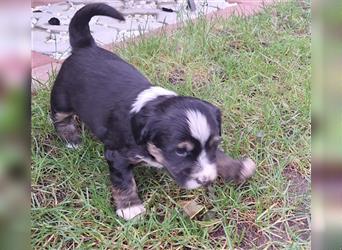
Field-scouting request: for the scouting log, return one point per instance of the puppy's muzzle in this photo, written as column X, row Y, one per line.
column 205, row 182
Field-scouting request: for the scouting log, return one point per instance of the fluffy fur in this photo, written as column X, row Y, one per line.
column 134, row 120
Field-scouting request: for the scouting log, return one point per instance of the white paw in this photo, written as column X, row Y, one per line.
column 248, row 168
column 131, row 212
column 72, row 145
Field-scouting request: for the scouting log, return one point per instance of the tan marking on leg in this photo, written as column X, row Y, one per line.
column 127, row 201
column 60, row 116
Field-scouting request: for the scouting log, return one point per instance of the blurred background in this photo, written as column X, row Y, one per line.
column 15, row 46
column 15, row 51
column 327, row 124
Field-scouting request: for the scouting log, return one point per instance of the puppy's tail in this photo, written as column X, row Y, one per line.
column 79, row 32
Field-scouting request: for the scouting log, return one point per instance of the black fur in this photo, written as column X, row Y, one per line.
column 163, row 122
column 100, row 88
column 79, row 31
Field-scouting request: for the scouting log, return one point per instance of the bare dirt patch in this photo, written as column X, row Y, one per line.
column 299, row 186
column 177, row 76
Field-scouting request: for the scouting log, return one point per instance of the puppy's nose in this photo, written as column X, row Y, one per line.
column 204, row 182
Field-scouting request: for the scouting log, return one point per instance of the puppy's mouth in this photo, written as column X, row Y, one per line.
column 197, row 183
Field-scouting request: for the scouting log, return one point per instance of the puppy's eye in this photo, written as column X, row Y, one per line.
column 181, row 152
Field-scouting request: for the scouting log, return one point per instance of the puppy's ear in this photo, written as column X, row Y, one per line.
column 145, row 134
column 142, row 127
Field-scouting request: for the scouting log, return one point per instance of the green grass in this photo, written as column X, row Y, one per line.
column 257, row 70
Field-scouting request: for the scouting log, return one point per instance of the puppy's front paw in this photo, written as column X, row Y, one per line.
column 129, row 213
column 72, row 145
column 248, row 168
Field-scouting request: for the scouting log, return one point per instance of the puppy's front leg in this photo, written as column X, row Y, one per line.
column 234, row 170
column 124, row 189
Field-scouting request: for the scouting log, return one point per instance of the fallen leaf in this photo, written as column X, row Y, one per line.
column 191, row 208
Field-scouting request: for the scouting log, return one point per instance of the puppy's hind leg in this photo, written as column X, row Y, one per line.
column 63, row 120
column 66, row 128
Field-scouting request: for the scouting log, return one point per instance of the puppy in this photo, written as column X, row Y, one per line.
column 136, row 122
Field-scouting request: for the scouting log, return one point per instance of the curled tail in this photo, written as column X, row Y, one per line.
column 79, row 32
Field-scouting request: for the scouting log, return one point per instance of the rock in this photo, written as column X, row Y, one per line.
column 43, row 23
column 172, row 6
column 54, row 21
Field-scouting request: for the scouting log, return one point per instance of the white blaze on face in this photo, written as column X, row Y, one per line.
column 200, row 130
column 198, row 125
column 149, row 95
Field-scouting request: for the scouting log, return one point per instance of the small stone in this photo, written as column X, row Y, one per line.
column 167, row 9
column 54, row 21
column 170, row 7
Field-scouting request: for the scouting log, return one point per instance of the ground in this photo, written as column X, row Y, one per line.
column 257, row 70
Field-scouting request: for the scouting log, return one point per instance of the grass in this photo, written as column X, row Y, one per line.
column 257, row 70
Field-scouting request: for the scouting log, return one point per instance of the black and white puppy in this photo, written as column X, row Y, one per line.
column 136, row 122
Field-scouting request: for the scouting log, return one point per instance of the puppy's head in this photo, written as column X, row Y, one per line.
column 182, row 134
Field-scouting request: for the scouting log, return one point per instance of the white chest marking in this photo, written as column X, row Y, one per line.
column 149, row 95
